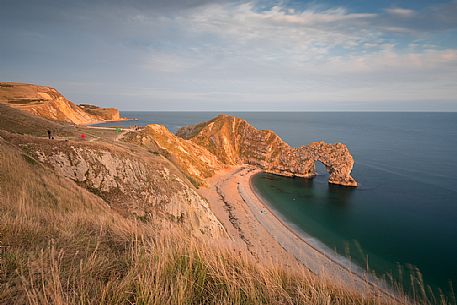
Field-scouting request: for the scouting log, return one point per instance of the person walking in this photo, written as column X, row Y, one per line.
column 49, row 134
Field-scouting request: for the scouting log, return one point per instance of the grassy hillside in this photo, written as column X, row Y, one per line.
column 22, row 122
column 61, row 244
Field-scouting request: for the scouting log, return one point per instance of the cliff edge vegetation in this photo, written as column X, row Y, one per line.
column 48, row 103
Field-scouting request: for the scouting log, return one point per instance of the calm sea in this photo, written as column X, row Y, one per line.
column 405, row 211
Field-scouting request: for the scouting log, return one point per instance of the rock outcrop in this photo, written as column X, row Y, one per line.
column 106, row 114
column 234, row 141
column 48, row 103
column 195, row 161
column 141, row 185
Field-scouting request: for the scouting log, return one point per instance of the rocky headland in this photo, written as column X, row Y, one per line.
column 200, row 151
column 105, row 114
column 234, row 141
column 49, row 103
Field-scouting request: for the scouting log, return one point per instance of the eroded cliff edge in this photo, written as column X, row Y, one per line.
column 137, row 183
column 49, row 103
column 234, row 141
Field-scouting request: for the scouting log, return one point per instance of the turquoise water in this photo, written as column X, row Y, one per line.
column 405, row 210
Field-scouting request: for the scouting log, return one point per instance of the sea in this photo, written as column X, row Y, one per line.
column 402, row 219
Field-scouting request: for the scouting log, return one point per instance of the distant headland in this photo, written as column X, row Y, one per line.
column 50, row 104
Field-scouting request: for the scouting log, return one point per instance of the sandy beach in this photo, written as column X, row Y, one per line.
column 251, row 224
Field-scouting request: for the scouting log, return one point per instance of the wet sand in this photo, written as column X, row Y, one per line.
column 251, row 224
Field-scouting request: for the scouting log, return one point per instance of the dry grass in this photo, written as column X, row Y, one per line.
column 62, row 245
column 18, row 121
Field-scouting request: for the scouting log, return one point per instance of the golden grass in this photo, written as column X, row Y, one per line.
column 63, row 245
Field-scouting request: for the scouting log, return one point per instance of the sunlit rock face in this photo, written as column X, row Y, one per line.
column 195, row 161
column 103, row 114
column 139, row 184
column 48, row 103
column 234, row 141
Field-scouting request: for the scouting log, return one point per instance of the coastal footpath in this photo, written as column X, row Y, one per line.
column 196, row 182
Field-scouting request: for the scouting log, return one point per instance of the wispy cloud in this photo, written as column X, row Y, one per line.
column 401, row 12
column 238, row 54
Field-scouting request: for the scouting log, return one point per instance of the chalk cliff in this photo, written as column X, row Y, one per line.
column 133, row 183
column 195, row 161
column 48, row 103
column 234, row 141
column 106, row 114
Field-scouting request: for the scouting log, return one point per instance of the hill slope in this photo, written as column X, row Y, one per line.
column 192, row 159
column 61, row 244
column 48, row 103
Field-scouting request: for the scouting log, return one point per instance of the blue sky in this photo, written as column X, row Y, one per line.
column 236, row 55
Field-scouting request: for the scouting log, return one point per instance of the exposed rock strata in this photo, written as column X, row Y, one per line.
column 48, row 103
column 147, row 187
column 194, row 160
column 233, row 141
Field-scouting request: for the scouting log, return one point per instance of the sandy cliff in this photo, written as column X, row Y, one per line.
column 234, row 141
column 48, row 103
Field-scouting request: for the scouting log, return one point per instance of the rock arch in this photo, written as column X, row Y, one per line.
column 234, row 141
column 336, row 158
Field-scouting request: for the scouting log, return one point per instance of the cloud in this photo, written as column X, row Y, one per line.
column 424, row 21
column 224, row 54
column 281, row 15
column 401, row 12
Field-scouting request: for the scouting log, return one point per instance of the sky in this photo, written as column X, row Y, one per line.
column 261, row 55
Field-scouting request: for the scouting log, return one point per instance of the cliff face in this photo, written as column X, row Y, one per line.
column 234, row 141
column 106, row 114
column 48, row 103
column 195, row 161
column 141, row 185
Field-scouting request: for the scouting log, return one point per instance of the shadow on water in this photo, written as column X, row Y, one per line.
column 340, row 195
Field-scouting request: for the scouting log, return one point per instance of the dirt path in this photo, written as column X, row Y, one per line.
column 122, row 134
column 117, row 137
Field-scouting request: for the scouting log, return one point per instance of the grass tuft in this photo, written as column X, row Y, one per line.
column 60, row 244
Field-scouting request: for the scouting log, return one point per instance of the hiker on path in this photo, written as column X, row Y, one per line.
column 49, row 134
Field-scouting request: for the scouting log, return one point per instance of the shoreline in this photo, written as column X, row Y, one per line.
column 302, row 235
column 249, row 220
column 335, row 258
